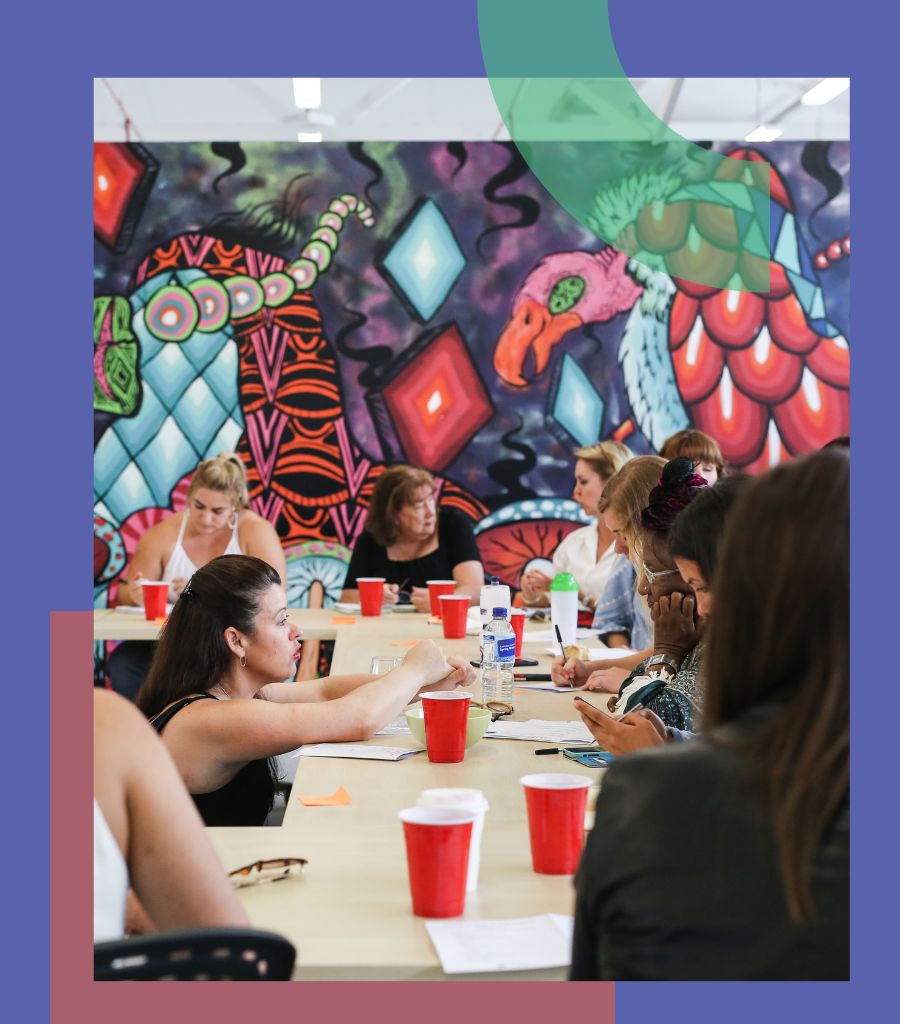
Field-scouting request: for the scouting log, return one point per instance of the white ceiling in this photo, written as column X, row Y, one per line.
column 398, row 109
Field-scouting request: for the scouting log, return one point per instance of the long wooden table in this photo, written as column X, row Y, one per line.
column 350, row 916
column 115, row 624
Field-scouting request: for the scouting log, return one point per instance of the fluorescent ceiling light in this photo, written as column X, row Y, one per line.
column 307, row 93
column 763, row 134
column 826, row 90
column 309, row 136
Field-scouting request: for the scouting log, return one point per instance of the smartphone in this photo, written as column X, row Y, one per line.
column 609, row 714
column 590, row 758
column 602, row 710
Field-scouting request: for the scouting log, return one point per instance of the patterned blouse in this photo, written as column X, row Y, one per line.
column 680, row 701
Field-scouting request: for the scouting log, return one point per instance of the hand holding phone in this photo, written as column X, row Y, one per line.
column 600, row 708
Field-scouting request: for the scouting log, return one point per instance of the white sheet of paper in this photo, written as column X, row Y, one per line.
column 513, row 944
column 396, row 727
column 361, row 750
column 546, row 636
column 347, row 607
column 598, row 653
column 609, row 653
column 540, row 731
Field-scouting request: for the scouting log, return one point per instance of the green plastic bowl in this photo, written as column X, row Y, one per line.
column 479, row 720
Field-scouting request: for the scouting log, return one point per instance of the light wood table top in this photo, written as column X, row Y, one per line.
column 350, row 916
column 316, row 623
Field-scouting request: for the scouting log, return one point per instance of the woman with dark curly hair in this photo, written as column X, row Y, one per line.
column 666, row 682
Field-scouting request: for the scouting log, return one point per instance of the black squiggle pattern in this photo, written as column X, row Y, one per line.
column 509, row 472
column 272, row 225
column 459, row 152
column 529, row 209
column 357, row 151
column 814, row 160
column 228, row 151
column 374, row 357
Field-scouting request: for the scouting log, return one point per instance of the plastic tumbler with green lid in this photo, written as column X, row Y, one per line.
column 564, row 605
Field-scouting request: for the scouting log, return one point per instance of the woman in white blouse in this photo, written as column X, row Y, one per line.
column 588, row 553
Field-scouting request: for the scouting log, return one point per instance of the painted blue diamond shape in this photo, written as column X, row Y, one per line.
column 424, row 262
column 577, row 407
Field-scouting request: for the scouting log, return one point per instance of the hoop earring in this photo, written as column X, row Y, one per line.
column 243, row 661
column 234, row 519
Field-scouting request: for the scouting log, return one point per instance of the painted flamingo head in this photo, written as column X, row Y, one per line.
column 564, row 291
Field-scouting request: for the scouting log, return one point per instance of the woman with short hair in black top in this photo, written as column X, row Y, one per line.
column 727, row 858
column 409, row 540
column 215, row 692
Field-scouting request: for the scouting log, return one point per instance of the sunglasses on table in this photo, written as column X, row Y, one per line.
column 267, row 871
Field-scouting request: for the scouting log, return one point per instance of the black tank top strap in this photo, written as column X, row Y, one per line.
column 160, row 721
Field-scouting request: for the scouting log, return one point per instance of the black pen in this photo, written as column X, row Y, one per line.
column 590, row 749
column 535, row 677
column 562, row 646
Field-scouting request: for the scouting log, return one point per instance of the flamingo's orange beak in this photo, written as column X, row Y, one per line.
column 532, row 327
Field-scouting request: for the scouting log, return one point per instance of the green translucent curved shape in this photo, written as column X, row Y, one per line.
column 608, row 160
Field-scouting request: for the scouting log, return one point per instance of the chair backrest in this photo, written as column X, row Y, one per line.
column 209, row 954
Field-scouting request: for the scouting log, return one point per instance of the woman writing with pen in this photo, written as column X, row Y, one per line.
column 694, row 541
column 667, row 681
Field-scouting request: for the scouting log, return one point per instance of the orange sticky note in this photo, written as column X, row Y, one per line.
column 404, row 643
column 343, row 620
column 337, row 798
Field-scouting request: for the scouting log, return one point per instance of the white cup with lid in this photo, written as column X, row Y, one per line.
column 471, row 800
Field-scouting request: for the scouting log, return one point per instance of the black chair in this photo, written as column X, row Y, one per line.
column 208, row 954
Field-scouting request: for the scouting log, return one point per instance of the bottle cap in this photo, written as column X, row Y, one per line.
column 495, row 581
column 499, row 613
column 564, row 581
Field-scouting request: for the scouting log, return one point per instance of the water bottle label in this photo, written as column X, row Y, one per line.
column 505, row 648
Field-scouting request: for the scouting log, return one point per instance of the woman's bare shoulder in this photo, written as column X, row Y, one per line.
column 251, row 525
column 164, row 532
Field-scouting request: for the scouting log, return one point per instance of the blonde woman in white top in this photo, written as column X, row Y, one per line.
column 217, row 520
column 588, row 553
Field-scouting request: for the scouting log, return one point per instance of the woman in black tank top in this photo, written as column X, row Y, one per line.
column 215, row 692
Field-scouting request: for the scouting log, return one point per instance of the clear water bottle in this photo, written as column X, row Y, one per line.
column 493, row 595
column 498, row 656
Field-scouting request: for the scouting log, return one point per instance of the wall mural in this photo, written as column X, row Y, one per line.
column 326, row 311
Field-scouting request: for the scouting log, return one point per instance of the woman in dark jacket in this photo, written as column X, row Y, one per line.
column 728, row 857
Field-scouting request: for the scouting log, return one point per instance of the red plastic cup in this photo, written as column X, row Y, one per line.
column 155, row 594
column 454, row 608
column 517, row 621
column 556, row 805
column 435, row 589
column 371, row 594
column 437, row 857
column 446, row 720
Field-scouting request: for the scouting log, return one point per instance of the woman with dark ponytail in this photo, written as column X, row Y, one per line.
column 216, row 695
